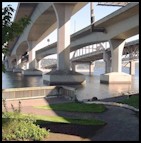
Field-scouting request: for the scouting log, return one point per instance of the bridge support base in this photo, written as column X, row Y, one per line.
column 32, row 72
column 59, row 77
column 115, row 77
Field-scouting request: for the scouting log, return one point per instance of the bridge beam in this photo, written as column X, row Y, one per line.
column 116, row 76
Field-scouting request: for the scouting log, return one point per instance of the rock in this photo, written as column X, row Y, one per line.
column 94, row 98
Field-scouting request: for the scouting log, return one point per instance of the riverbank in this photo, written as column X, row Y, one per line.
column 122, row 124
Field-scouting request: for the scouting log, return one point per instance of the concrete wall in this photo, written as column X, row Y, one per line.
column 29, row 92
column 38, row 92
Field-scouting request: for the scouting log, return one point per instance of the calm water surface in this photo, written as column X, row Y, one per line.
column 92, row 86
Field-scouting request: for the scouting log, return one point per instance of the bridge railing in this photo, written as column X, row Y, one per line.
column 131, row 53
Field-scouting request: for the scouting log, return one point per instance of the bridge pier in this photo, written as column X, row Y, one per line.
column 7, row 64
column 32, row 62
column 18, row 68
column 39, row 64
column 74, row 66
column 107, row 59
column 63, row 75
column 116, row 76
column 11, row 64
column 91, row 68
column 132, row 67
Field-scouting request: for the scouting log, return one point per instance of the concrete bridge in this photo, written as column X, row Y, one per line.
column 131, row 50
column 87, row 55
column 117, row 20
column 44, row 17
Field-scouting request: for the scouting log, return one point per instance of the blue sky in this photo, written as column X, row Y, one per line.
column 80, row 20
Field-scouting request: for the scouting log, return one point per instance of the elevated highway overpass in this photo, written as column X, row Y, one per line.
column 130, row 52
column 121, row 24
column 43, row 22
column 115, row 28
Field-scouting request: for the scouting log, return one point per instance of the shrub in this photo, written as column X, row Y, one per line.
column 16, row 126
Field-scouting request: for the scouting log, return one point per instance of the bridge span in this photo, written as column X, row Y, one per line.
column 88, row 55
column 115, row 28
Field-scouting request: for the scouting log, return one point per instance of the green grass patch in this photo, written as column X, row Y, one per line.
column 57, row 119
column 75, row 107
column 133, row 101
column 44, row 119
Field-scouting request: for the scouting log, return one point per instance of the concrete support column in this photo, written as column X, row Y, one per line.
column 39, row 64
column 18, row 59
column 32, row 60
column 116, row 76
column 5, row 62
column 63, row 75
column 18, row 64
column 91, row 68
column 63, row 13
column 10, row 63
column 132, row 67
column 117, row 46
column 107, row 60
column 73, row 66
column 13, row 63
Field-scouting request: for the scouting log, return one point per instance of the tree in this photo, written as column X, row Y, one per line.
column 11, row 30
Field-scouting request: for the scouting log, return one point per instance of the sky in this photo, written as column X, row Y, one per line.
column 78, row 21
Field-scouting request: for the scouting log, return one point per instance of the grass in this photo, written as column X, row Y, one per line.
column 132, row 101
column 75, row 107
column 44, row 119
column 57, row 119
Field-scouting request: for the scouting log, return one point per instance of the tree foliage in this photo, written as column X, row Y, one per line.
column 11, row 30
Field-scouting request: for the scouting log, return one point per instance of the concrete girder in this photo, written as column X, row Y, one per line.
column 37, row 14
column 126, row 27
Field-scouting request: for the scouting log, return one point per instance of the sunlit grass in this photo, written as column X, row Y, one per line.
column 75, row 107
column 58, row 119
column 133, row 101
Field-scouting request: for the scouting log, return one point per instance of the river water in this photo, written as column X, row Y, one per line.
column 91, row 88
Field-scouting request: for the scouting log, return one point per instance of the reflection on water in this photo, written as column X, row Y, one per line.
column 17, row 80
column 92, row 86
